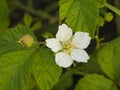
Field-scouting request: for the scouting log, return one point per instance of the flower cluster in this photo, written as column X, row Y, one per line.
column 69, row 47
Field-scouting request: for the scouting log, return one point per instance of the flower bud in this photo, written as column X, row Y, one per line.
column 100, row 21
column 27, row 40
column 108, row 17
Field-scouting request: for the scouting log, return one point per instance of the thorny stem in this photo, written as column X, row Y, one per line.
column 114, row 9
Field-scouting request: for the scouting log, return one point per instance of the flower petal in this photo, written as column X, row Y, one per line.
column 81, row 40
column 54, row 44
column 64, row 33
column 63, row 59
column 79, row 55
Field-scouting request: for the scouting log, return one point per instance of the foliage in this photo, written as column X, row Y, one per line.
column 4, row 18
column 78, row 16
column 92, row 82
column 30, row 65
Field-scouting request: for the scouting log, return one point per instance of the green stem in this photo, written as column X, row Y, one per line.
column 114, row 9
column 80, row 73
column 42, row 43
column 97, row 38
column 30, row 3
column 74, row 64
column 117, row 18
column 39, row 13
column 77, row 72
column 51, row 7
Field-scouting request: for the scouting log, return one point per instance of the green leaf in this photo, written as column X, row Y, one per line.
column 4, row 16
column 9, row 40
column 27, row 19
column 16, row 63
column 80, row 15
column 15, row 70
column 45, row 70
column 100, row 3
column 109, row 59
column 95, row 82
column 92, row 66
column 15, row 60
column 67, row 79
column 47, row 35
column 36, row 26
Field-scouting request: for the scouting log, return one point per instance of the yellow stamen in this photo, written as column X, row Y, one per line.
column 68, row 46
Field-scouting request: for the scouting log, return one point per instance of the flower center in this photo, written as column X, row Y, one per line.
column 68, row 47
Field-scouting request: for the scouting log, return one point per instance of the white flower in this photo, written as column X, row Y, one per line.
column 69, row 47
